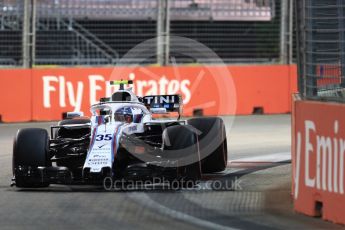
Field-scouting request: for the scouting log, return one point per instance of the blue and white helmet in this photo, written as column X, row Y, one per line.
column 129, row 115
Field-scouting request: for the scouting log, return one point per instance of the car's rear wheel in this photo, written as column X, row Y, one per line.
column 30, row 151
column 180, row 144
column 212, row 142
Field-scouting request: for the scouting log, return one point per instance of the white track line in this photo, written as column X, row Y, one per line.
column 270, row 158
column 145, row 200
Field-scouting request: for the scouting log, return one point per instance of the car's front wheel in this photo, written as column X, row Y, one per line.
column 30, row 151
column 213, row 143
column 180, row 144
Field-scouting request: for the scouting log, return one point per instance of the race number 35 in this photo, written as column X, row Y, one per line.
column 106, row 137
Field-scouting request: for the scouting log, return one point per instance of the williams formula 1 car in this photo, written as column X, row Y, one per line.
column 121, row 140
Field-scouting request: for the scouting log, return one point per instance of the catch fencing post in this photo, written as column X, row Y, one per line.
column 283, row 31
column 29, row 33
column 163, row 32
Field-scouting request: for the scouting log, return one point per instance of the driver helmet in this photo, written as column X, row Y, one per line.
column 124, row 115
column 128, row 115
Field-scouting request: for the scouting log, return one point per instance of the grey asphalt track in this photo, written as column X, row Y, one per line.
column 261, row 199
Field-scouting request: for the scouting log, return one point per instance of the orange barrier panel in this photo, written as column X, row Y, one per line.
column 61, row 90
column 15, row 95
column 318, row 159
column 218, row 90
column 269, row 87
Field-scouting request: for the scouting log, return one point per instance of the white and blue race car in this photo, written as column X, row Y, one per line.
column 121, row 140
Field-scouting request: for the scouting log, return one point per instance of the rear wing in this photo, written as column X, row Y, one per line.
column 164, row 103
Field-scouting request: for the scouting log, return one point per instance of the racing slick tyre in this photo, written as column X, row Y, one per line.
column 30, row 150
column 211, row 130
column 178, row 141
